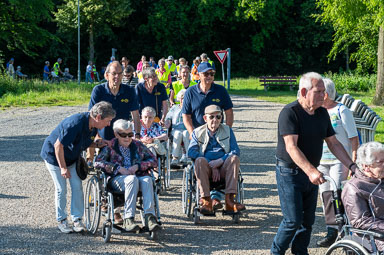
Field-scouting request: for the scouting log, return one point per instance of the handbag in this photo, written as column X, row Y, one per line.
column 82, row 168
column 329, row 206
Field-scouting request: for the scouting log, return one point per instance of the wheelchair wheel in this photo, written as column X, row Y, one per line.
column 107, row 231
column 92, row 205
column 161, row 176
column 347, row 247
column 186, row 193
column 167, row 171
column 196, row 218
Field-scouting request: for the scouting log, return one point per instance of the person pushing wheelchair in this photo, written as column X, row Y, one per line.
column 216, row 153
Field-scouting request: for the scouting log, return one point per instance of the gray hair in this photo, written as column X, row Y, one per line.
column 104, row 109
column 149, row 72
column 161, row 61
column 204, row 56
column 180, row 95
column 116, row 63
column 185, row 67
column 149, row 110
column 306, row 80
column 121, row 124
column 365, row 153
column 330, row 88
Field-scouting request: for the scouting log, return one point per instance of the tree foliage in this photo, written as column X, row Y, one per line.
column 19, row 24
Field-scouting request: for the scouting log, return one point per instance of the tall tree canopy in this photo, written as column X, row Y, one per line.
column 97, row 17
column 361, row 23
column 19, row 22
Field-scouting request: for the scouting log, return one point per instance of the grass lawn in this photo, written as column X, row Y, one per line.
column 251, row 87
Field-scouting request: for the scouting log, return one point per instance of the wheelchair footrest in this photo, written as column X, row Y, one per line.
column 231, row 213
column 207, row 214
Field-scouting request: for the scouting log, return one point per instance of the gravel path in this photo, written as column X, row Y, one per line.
column 27, row 218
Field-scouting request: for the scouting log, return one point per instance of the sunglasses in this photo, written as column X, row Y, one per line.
column 206, row 74
column 124, row 135
column 211, row 117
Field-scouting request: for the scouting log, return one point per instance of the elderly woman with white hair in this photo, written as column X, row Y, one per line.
column 128, row 163
column 179, row 131
column 363, row 195
column 345, row 128
column 151, row 132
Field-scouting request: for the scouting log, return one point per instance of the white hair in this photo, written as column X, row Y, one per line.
column 306, row 80
column 180, row 95
column 121, row 124
column 330, row 88
column 365, row 153
column 149, row 110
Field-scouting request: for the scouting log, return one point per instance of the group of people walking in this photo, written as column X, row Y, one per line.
column 316, row 136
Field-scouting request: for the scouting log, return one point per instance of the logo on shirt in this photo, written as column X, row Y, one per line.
column 216, row 100
column 92, row 138
column 157, row 94
column 124, row 100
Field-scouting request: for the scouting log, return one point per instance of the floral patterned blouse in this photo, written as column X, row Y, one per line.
column 154, row 131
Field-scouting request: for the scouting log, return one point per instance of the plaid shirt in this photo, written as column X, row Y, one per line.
column 111, row 158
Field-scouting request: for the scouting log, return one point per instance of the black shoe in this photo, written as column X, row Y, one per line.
column 151, row 222
column 329, row 239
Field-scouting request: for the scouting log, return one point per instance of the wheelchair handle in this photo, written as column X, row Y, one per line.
column 332, row 181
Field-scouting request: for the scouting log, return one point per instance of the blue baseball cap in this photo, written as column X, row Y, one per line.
column 204, row 66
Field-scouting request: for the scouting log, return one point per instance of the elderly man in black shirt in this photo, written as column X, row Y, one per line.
column 302, row 127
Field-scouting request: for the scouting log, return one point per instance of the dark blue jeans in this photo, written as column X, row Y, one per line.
column 298, row 200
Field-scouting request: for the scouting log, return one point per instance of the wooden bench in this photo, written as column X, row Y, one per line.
column 267, row 81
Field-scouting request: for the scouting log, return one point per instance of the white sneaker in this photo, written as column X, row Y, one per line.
column 78, row 226
column 184, row 158
column 64, row 228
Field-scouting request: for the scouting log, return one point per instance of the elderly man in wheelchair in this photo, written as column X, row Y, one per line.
column 128, row 164
column 363, row 195
column 216, row 154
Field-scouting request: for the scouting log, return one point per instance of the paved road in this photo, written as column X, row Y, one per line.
column 27, row 221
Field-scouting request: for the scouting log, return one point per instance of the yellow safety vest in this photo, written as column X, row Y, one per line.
column 211, row 62
column 56, row 67
column 140, row 76
column 178, row 85
column 163, row 78
column 172, row 69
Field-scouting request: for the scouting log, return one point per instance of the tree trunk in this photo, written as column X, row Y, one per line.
column 379, row 96
column 91, row 44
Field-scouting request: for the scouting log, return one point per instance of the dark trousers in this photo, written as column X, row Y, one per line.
column 298, row 200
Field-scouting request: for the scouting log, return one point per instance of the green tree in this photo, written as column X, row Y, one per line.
column 19, row 24
column 361, row 23
column 97, row 17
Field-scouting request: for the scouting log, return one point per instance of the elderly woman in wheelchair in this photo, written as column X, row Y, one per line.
column 179, row 132
column 363, row 195
column 128, row 164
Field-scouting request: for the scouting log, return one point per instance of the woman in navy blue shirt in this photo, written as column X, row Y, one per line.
column 61, row 150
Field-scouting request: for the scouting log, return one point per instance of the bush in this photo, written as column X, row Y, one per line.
column 352, row 82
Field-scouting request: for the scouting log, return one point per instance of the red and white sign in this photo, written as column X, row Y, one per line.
column 221, row 55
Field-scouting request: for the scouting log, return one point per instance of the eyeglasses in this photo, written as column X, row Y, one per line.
column 124, row 135
column 206, row 74
column 211, row 117
column 118, row 74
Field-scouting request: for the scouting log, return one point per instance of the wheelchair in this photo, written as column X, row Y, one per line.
column 97, row 192
column 164, row 169
column 350, row 240
column 191, row 195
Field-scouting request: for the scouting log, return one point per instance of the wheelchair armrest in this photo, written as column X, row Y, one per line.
column 374, row 233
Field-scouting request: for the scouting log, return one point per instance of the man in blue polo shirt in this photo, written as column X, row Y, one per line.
column 205, row 93
column 122, row 97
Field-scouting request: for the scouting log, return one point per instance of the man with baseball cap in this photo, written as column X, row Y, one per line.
column 216, row 153
column 205, row 93
column 171, row 67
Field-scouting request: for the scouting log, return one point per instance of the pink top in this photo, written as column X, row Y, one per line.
column 139, row 66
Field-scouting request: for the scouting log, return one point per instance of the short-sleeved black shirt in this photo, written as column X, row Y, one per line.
column 311, row 129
